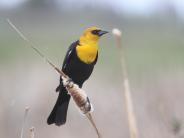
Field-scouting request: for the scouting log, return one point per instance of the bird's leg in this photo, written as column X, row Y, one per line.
column 67, row 82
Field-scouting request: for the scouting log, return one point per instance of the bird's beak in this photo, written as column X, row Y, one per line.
column 100, row 33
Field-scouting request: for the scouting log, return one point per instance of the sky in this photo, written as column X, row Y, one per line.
column 141, row 7
column 10, row 3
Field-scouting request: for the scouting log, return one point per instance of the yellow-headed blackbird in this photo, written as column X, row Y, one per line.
column 78, row 64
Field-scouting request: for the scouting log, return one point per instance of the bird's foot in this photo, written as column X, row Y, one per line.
column 67, row 82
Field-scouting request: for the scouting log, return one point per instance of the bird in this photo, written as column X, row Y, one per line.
column 78, row 64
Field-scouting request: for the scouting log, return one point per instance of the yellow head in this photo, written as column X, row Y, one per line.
column 91, row 35
column 88, row 44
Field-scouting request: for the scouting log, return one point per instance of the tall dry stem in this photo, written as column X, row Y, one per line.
column 126, row 86
column 24, row 121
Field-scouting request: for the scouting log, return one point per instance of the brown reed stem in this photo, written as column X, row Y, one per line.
column 126, row 87
column 32, row 45
column 90, row 118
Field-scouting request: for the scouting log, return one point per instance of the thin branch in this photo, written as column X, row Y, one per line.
column 32, row 45
column 126, row 86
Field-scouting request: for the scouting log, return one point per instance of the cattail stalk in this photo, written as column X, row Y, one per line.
column 126, row 87
column 32, row 132
column 24, row 121
column 79, row 96
column 90, row 118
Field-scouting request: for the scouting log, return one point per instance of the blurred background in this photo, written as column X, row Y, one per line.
column 153, row 41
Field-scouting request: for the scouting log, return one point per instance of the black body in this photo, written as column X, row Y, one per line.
column 78, row 71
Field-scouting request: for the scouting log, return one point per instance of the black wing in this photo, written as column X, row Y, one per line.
column 69, row 54
column 67, row 58
column 96, row 59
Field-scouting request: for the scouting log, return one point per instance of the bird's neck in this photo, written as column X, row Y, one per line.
column 87, row 50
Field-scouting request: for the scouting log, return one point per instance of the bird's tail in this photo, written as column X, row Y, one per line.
column 59, row 112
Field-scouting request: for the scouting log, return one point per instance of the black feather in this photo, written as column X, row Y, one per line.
column 78, row 71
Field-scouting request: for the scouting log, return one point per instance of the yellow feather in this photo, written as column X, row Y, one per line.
column 87, row 53
column 88, row 46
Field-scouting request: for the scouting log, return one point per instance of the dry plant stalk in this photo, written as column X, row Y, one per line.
column 79, row 96
column 126, row 86
column 32, row 132
column 89, row 116
column 24, row 121
column 82, row 101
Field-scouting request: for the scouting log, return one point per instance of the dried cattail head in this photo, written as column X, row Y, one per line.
column 79, row 96
column 116, row 32
column 32, row 130
column 27, row 108
column 87, row 107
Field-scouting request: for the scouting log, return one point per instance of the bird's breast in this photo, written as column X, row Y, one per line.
column 87, row 53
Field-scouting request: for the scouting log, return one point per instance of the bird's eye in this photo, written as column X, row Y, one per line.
column 95, row 32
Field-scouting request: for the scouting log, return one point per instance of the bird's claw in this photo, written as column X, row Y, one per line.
column 67, row 82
